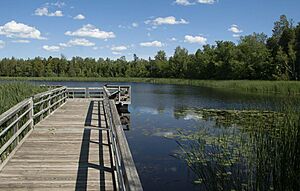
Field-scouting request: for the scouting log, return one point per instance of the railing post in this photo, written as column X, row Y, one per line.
column 31, row 113
column 49, row 104
column 16, row 128
column 119, row 99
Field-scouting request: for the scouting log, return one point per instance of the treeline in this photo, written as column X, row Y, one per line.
column 254, row 57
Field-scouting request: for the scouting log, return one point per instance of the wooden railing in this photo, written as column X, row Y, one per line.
column 18, row 122
column 121, row 94
column 127, row 175
column 85, row 92
column 47, row 102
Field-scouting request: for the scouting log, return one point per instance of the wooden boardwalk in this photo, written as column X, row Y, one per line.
column 69, row 150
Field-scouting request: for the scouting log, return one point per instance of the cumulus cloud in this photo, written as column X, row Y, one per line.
column 171, row 20
column 77, row 42
column 183, row 2
column 21, row 41
column 79, row 17
column 207, row 1
column 80, row 42
column 195, row 39
column 43, row 11
column 51, row 48
column 13, row 29
column 119, row 48
column 91, row 31
column 235, row 29
column 152, row 44
column 2, row 44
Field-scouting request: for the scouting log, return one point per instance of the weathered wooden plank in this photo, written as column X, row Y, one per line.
column 54, row 156
column 71, row 148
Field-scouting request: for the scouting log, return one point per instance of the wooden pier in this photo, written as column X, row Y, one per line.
column 67, row 139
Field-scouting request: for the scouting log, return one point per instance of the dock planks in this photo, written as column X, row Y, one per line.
column 69, row 150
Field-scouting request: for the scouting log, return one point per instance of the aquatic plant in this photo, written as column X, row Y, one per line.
column 258, row 155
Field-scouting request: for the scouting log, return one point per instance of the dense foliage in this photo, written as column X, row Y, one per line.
column 255, row 57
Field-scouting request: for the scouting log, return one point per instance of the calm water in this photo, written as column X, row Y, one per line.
column 154, row 117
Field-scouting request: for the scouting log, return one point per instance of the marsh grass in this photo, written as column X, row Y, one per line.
column 260, row 155
column 13, row 93
column 250, row 86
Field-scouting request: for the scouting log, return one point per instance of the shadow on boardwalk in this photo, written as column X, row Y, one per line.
column 84, row 164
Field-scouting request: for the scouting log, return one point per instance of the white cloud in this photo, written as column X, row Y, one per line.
column 236, row 35
column 207, row 1
column 235, row 29
column 152, row 44
column 119, row 48
column 13, row 29
column 59, row 4
column 189, row 2
column 43, row 11
column 173, row 39
column 79, row 17
column 195, row 39
column 77, row 42
column 21, row 41
column 91, row 31
column 135, row 25
column 80, row 42
column 51, row 48
column 2, row 44
column 183, row 2
column 116, row 53
column 171, row 20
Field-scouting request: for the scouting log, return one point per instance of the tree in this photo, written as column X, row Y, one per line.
column 179, row 63
column 254, row 56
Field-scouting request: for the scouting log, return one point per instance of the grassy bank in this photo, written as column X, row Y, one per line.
column 278, row 87
column 13, row 93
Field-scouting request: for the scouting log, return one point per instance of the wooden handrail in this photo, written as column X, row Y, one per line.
column 58, row 95
column 129, row 174
column 11, row 134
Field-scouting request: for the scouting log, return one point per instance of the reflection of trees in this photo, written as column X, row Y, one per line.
column 262, row 154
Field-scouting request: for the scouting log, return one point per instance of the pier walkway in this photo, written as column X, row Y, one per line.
column 69, row 143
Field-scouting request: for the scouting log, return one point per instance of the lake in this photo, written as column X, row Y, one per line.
column 159, row 112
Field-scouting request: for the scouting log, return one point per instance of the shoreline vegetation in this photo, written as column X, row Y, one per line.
column 13, row 93
column 249, row 151
column 253, row 57
column 248, row 86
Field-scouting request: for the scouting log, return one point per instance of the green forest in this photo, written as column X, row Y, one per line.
column 254, row 57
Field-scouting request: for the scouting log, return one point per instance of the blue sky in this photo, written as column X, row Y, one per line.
column 113, row 28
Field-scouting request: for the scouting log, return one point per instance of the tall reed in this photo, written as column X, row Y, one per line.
column 13, row 93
